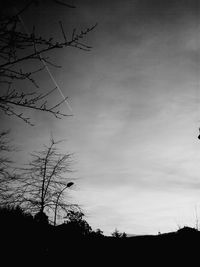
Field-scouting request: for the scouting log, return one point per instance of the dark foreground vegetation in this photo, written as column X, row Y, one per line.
column 32, row 240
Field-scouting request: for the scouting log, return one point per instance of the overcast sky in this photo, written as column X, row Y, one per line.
column 136, row 111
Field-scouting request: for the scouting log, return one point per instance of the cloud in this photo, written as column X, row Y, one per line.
column 135, row 112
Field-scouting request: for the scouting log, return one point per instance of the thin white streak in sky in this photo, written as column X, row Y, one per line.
column 46, row 67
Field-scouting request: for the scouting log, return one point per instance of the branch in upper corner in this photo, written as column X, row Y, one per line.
column 34, row 101
column 18, row 47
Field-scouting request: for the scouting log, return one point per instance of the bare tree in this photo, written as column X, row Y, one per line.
column 6, row 174
column 16, row 49
column 41, row 187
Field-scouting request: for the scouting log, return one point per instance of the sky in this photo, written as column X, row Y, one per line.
column 135, row 100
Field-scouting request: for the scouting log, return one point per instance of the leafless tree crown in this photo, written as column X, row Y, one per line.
column 6, row 170
column 19, row 47
column 41, row 186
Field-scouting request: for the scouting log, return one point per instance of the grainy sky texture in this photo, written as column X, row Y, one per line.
column 136, row 111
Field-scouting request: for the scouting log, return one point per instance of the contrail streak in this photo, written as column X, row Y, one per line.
column 46, row 67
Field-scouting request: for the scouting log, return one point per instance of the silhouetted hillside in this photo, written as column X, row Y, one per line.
column 23, row 237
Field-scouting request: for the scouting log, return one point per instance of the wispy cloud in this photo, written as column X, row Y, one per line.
column 136, row 114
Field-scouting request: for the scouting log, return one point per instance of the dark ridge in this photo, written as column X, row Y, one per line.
column 23, row 238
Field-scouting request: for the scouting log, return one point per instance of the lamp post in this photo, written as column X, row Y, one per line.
column 59, row 194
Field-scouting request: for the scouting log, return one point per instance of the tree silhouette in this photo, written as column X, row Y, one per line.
column 98, row 232
column 18, row 47
column 44, row 180
column 76, row 225
column 7, row 176
column 117, row 234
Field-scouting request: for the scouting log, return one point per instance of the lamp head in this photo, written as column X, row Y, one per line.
column 70, row 184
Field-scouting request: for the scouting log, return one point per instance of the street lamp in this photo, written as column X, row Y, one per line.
column 67, row 186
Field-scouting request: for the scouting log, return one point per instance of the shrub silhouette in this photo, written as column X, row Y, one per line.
column 14, row 216
column 20, row 231
column 41, row 218
column 75, row 225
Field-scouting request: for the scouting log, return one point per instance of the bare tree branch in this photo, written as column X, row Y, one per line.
column 41, row 187
column 6, row 170
column 17, row 48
